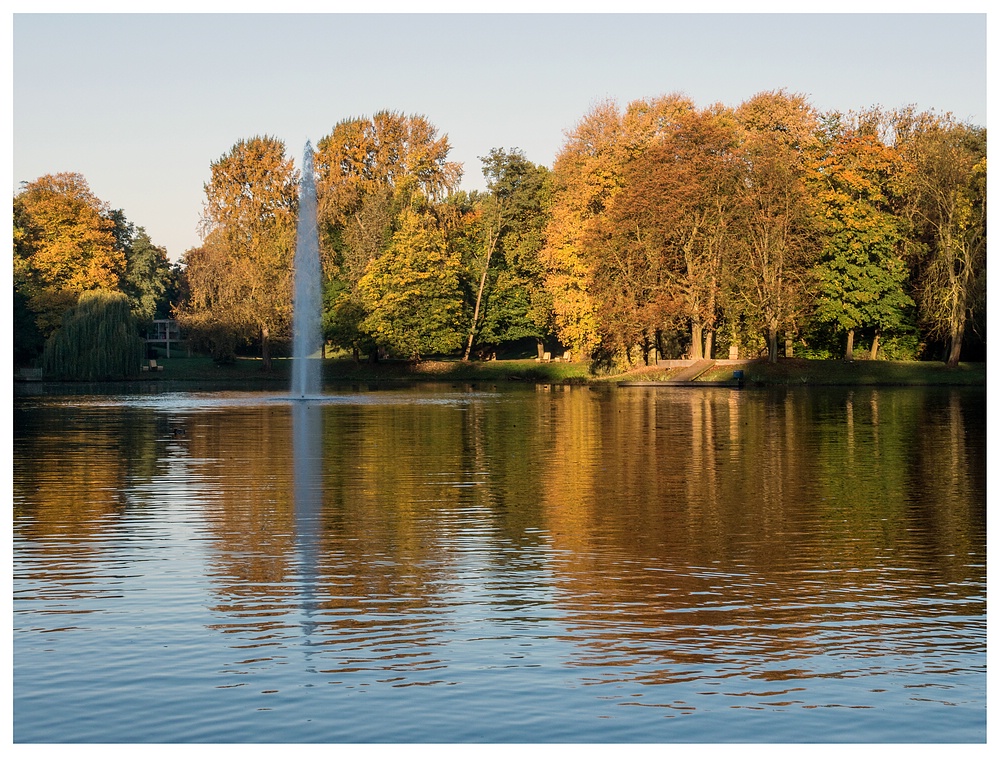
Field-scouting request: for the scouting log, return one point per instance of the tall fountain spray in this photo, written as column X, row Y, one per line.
column 307, row 337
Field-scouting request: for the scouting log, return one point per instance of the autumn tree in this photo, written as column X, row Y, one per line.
column 241, row 277
column 212, row 309
column 588, row 172
column 585, row 176
column 369, row 172
column 631, row 302
column 772, row 234
column 64, row 245
column 862, row 274
column 367, row 169
column 658, row 252
column 411, row 294
column 946, row 184
column 389, row 149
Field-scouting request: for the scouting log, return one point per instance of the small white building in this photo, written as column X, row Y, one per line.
column 165, row 332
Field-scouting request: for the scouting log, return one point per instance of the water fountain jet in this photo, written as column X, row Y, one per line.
column 307, row 337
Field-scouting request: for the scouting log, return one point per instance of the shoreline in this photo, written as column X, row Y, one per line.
column 786, row 372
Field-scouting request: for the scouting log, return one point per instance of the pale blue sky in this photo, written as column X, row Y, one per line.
column 142, row 104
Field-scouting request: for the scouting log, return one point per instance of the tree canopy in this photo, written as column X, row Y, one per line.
column 64, row 245
column 662, row 229
column 411, row 294
column 240, row 280
column 862, row 273
column 946, row 186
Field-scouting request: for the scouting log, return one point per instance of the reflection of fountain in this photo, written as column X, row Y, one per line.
column 307, row 446
column 307, row 336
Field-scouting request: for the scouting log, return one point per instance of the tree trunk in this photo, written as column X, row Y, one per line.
column 475, row 313
column 696, row 341
column 772, row 342
column 540, row 346
column 265, row 349
column 849, row 352
column 955, row 352
column 789, row 347
column 709, row 339
column 875, row 346
column 482, row 286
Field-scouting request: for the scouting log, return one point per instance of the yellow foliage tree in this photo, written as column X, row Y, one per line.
column 412, row 294
column 63, row 245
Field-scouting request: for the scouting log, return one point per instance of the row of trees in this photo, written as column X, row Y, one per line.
column 662, row 227
column 75, row 257
column 738, row 226
column 412, row 266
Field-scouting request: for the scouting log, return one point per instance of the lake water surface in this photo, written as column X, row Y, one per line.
column 492, row 564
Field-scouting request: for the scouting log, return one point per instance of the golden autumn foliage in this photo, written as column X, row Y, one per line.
column 240, row 279
column 663, row 228
column 366, row 170
column 63, row 245
column 584, row 177
column 411, row 293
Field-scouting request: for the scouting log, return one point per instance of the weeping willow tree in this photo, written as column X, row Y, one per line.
column 98, row 340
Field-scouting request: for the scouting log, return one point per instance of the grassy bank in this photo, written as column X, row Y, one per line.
column 203, row 369
column 791, row 372
column 800, row 372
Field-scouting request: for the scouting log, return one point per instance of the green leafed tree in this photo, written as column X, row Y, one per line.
column 412, row 295
column 510, row 302
column 150, row 280
column 343, row 313
column 862, row 274
column 97, row 341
